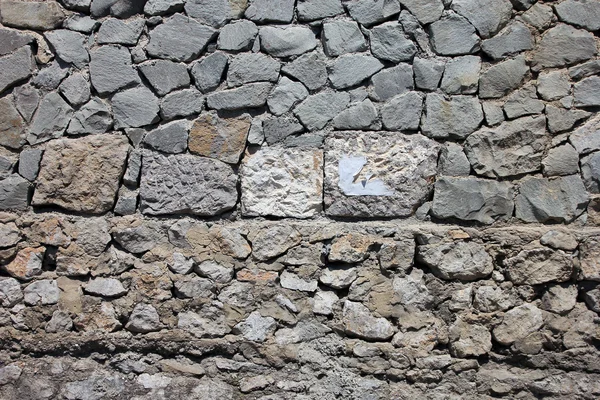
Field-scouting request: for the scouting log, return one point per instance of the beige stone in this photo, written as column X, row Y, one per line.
column 220, row 138
column 35, row 15
column 590, row 259
column 350, row 248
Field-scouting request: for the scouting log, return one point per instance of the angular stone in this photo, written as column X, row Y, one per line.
column 358, row 321
column 560, row 299
column 134, row 166
column 282, row 183
column 169, row 138
column 551, row 200
column 466, row 261
column 214, row 271
column 292, row 281
column 426, row 11
column 324, row 302
column 10, row 292
column 251, row 95
column 10, row 234
column 11, row 40
column 111, row 69
column 453, row 161
column 193, row 287
column 586, row 139
column 14, row 193
column 211, row 323
column 467, row 339
column 310, row 69
column 50, row 120
column 518, row 323
column 590, row 171
column 182, row 103
column 585, row 14
column 390, row 43
column 359, row 116
column 341, row 37
column 512, row 40
column 215, row 12
column 26, row 99
column 487, row 16
column 457, row 117
column 428, row 73
column 143, row 319
column 564, row 45
column 266, row 11
column 368, row 12
column 15, row 67
column 26, row 264
column 12, row 126
column 472, row 199
column 539, row 16
column 105, row 287
column 76, row 89
column 208, row 72
column 135, row 107
column 238, row 35
column 80, row 23
column 252, row 67
column 286, row 41
column 69, row 46
column 286, row 95
column 116, row 8
column 539, row 265
column 462, row 75
column 51, row 76
column 185, row 183
column 356, row 185
column 277, row 130
column 523, row 102
column 560, row 119
column 179, row 38
column 562, row 160
column 553, row 85
column 44, row 292
column 36, row 15
column 256, row 327
column 273, row 241
column 165, row 76
column 351, row 248
column 93, row 117
column 453, row 35
column 138, row 238
column 317, row 110
column 584, row 70
column 162, row 7
column 82, row 174
column 338, row 278
column 220, row 138
column 351, row 69
column 589, row 261
column 587, row 92
column 311, row 10
column 117, row 31
column 391, row 82
column 501, row 78
column 559, row 240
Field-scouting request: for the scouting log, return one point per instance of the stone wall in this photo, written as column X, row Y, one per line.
column 310, row 199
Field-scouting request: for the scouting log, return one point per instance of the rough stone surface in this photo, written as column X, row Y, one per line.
column 539, row 265
column 391, row 82
column 286, row 41
column 237, row 36
column 246, row 68
column 341, row 37
column 512, row 40
column 586, row 92
column 92, row 117
column 310, row 69
column 371, row 12
column 317, row 110
column 12, row 125
column 487, row 16
column 457, row 117
column 251, row 95
column 390, row 43
column 143, row 319
column 111, row 69
column 182, row 103
column 518, row 323
column 403, row 112
column 69, row 47
column 286, row 95
column 501, row 78
column 350, row 70
column 220, row 138
column 453, row 35
column 564, row 45
column 165, row 76
column 463, row 260
column 461, row 75
column 50, row 120
column 135, row 107
column 32, row 15
column 310, row 10
column 585, row 14
column 169, row 138
column 358, row 321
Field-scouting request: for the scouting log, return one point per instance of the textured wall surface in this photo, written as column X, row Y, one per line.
column 299, row 199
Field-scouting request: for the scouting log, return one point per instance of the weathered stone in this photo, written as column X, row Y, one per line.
column 265, row 11
column 42, row 15
column 117, row 31
column 169, row 138
column 278, row 129
column 317, row 110
column 453, row 35
column 487, row 16
column 457, row 117
column 162, row 7
column 585, row 14
column 26, row 99
column 44, row 292
column 12, row 126
column 252, row 67
column 358, row 321
column 60, row 322
column 238, row 35
column 165, row 76
column 215, row 12
column 539, row 265
column 391, row 82
column 310, row 69
column 553, row 85
column 341, row 37
column 282, row 182
column 26, row 264
column 585, row 139
column 289, row 280
column 286, row 41
column 592, row 299
column 359, row 116
column 338, row 278
column 523, row 102
column 138, row 238
column 561, row 160
column 193, row 287
column 465, row 261
column 93, row 117
column 426, row 11
column 587, row 92
column 560, row 299
column 368, row 12
column 11, row 40
column 256, row 327
column 208, row 72
column 111, row 69
column 80, row 23
column 214, row 271
column 468, row 339
column 134, row 166
column 10, row 234
column 179, row 38
column 357, row 186
column 251, row 95
column 126, row 202
column 88, row 170
column 10, row 292
column 182, row 103
column 324, row 302
column 351, row 69
column 311, row 10
column 143, row 319
column 560, row 119
column 461, row 75
column 135, row 107
column 76, row 89
column 273, row 241
column 512, row 40
column 584, row 70
column 453, row 161
column 590, row 171
column 428, row 73
column 69, row 46
column 286, row 95
column 210, row 324
column 106, row 287
column 518, row 323
column 564, row 45
column 472, row 199
column 501, row 78
column 116, row 8
column 560, row 200
column 220, row 138
column 590, row 266
column 50, row 120
column 539, row 16
column 351, row 248
column 51, row 76
column 390, row 43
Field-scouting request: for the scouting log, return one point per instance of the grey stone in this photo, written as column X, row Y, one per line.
column 134, row 167
column 551, row 200
column 215, row 12
column 12, row 126
column 493, row 112
column 139, row 239
column 163, row 7
column 182, row 103
column 165, row 76
column 403, row 112
column 50, row 77
column 553, row 85
column 252, row 67
column 310, row 69
column 560, row 299
column 256, row 327
column 277, row 129
column 93, row 235
column 44, row 292
column 286, row 95
column 428, row 73
column 266, row 11
column 289, row 280
column 586, row 139
column 26, row 100
column 426, row 11
column 135, row 107
column 238, row 35
column 15, row 67
column 472, row 199
column 590, row 171
column 342, row 36
column 180, row 264
column 358, row 321
column 291, row 40
column 60, row 322
column 466, row 261
column 69, row 46
column 564, row 45
column 274, row 240
column 338, row 278
column 179, row 38
column 561, row 160
column 468, row 339
column 50, row 120
column 11, row 40
column 560, row 119
column 208, row 72
column 251, row 95
column 592, row 299
column 487, row 16
column 370, row 12
column 587, row 92
column 584, row 70
column 391, row 82
column 81, row 23
column 539, row 16
column 389, row 42
column 351, row 69
column 503, row 77
column 324, row 302
column 105, row 287
column 453, row 35
column 29, row 163
column 514, row 39
column 10, row 292
column 559, row 240
column 111, row 69
column 135, row 135
column 214, row 271
column 304, row 331
column 256, row 134
column 359, row 116
column 117, row 31
column 169, row 138
column 518, row 323
column 210, row 324
column 116, row 8
column 523, row 102
column 32, row 15
column 186, row 184
column 143, row 319
column 76, row 89
column 461, row 75
column 311, row 10
column 453, row 161
column 585, row 14
column 193, row 288
column 317, row 110
column 457, row 117
column 93, row 117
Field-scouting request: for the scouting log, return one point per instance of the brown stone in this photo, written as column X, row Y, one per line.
column 32, row 14
column 27, row 263
column 70, row 295
column 590, row 259
column 82, row 174
column 256, row 275
column 220, row 138
column 50, row 231
column 350, row 248
column 230, row 242
column 12, row 126
column 74, row 261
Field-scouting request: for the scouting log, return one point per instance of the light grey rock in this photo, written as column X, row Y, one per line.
column 10, row 292
column 135, row 107
column 586, row 139
column 310, row 69
column 273, row 240
column 311, row 10
column 289, row 280
column 285, row 95
column 134, row 166
column 453, row 35
column 468, row 339
column 503, row 77
column 472, row 199
column 251, row 95
column 277, row 129
column 560, row 119
column 286, row 41
column 493, row 112
column 412, row 292
column 126, row 202
column 523, row 102
column 237, row 35
column 80, row 23
column 194, row 287
column 590, row 171
column 139, row 239
column 76, row 89
column 561, row 160
column 252, row 67
column 266, row 11
column 105, row 287
column 220, row 138
column 514, row 39
column 551, row 200
column 391, row 82
column 368, row 12
column 27, row 99
column 457, row 117
column 357, row 184
column 585, row 14
column 560, row 299
column 324, row 302
column 553, row 85
column 351, row 69
column 518, row 323
column 50, row 77
column 564, row 45
column 304, row 331
column 50, row 120
column 453, row 161
column 111, row 69
column 118, row 31
column 390, row 43
column 360, row 322
column 428, row 73
column 44, row 292
column 135, row 135
column 93, row 117
column 11, row 40
column 461, row 75
column 60, row 322
column 342, row 36
column 116, row 8
column 210, row 324
column 169, row 138
column 317, row 110
column 181, row 264
column 165, row 76
column 256, row 134
column 363, row 115
column 403, row 112
column 163, row 7
column 487, row 16
column 466, row 261
column 539, row 265
column 167, row 186
column 584, row 70
column 214, row 271
column 338, row 278
column 559, row 240
column 93, row 235
column 208, row 72
column 69, row 46
column 587, row 92
column 29, row 163
column 215, row 12
column 179, row 38
column 539, row 16
column 15, row 67
column 143, row 319
column 256, row 327
column 182, row 103
column 592, row 299
column 426, row 11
